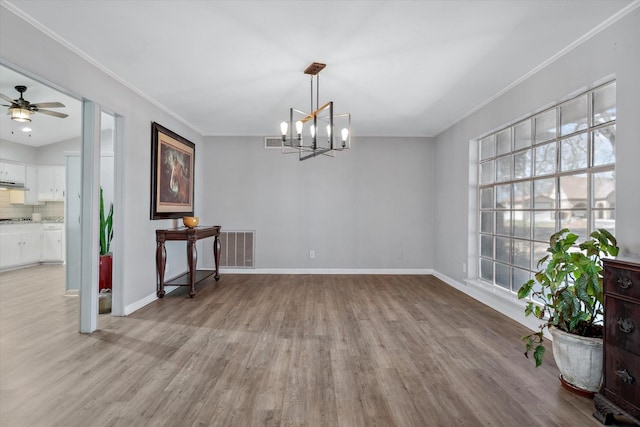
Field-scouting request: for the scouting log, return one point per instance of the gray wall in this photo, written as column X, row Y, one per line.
column 50, row 154
column 17, row 152
column 614, row 52
column 370, row 207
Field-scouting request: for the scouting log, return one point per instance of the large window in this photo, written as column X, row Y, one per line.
column 551, row 171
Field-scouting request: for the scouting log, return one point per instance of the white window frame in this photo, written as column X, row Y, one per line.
column 502, row 259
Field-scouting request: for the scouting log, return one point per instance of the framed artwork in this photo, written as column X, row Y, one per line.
column 172, row 174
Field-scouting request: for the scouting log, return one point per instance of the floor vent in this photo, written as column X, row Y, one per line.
column 237, row 249
column 272, row 142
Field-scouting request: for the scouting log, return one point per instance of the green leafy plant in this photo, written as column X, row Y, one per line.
column 567, row 293
column 106, row 227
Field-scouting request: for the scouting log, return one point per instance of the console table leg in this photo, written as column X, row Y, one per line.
column 216, row 256
column 161, row 262
column 192, row 259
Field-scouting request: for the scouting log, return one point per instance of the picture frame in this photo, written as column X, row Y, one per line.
column 172, row 174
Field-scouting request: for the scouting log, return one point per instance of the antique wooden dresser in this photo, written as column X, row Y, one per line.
column 620, row 391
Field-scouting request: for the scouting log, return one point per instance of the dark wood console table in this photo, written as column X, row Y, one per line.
column 192, row 276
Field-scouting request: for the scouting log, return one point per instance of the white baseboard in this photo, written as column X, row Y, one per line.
column 146, row 300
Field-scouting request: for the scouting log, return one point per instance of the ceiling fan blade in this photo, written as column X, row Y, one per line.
column 48, row 105
column 52, row 113
column 6, row 98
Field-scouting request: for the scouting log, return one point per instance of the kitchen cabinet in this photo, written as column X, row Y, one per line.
column 19, row 244
column 51, row 183
column 11, row 172
column 29, row 196
column 52, row 243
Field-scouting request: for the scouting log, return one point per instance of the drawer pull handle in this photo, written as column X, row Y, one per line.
column 625, row 376
column 626, row 325
column 625, row 282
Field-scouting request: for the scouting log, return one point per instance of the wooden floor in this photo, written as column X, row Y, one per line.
column 271, row 350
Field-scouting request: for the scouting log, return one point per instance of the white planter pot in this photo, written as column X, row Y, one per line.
column 579, row 359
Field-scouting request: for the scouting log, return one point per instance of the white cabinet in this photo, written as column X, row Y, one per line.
column 31, row 182
column 30, row 196
column 11, row 172
column 52, row 243
column 51, row 183
column 19, row 244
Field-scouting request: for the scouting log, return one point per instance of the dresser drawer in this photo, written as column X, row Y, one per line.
column 622, row 376
column 622, row 280
column 622, row 324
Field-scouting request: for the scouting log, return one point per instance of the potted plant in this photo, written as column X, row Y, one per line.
column 567, row 294
column 106, row 234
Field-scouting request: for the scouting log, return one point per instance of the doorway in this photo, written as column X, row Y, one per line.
column 78, row 155
column 38, row 143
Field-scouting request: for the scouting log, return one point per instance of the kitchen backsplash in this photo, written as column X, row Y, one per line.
column 49, row 209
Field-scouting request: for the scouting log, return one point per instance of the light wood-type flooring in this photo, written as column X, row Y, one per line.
column 274, row 350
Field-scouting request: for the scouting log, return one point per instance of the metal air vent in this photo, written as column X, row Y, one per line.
column 272, row 142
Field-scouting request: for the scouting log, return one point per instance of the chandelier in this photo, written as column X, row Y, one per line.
column 311, row 134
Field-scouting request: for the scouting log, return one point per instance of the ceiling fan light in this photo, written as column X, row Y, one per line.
column 20, row 115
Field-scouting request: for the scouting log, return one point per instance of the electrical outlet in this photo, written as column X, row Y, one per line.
column 312, row 254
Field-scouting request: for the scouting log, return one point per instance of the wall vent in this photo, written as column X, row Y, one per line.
column 237, row 249
column 272, row 142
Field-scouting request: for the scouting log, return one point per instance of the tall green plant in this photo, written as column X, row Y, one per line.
column 568, row 292
column 106, row 227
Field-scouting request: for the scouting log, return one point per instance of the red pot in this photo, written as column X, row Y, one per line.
column 104, row 278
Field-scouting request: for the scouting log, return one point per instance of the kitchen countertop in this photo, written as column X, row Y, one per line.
column 46, row 220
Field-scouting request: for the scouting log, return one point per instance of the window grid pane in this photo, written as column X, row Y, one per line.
column 565, row 180
column 545, row 126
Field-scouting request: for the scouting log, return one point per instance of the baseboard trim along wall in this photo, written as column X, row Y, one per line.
column 146, row 300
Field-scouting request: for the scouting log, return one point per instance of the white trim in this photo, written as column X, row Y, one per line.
column 89, row 219
column 146, row 300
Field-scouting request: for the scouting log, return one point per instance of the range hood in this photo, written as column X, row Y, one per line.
column 12, row 185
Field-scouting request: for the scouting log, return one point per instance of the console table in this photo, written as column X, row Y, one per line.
column 192, row 276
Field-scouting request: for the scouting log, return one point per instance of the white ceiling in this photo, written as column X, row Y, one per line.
column 401, row 68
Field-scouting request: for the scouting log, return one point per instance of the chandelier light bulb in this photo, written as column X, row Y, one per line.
column 312, row 129
column 299, row 125
column 329, row 131
column 284, row 126
column 345, row 134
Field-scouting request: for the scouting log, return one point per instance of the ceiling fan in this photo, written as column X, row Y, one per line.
column 21, row 109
